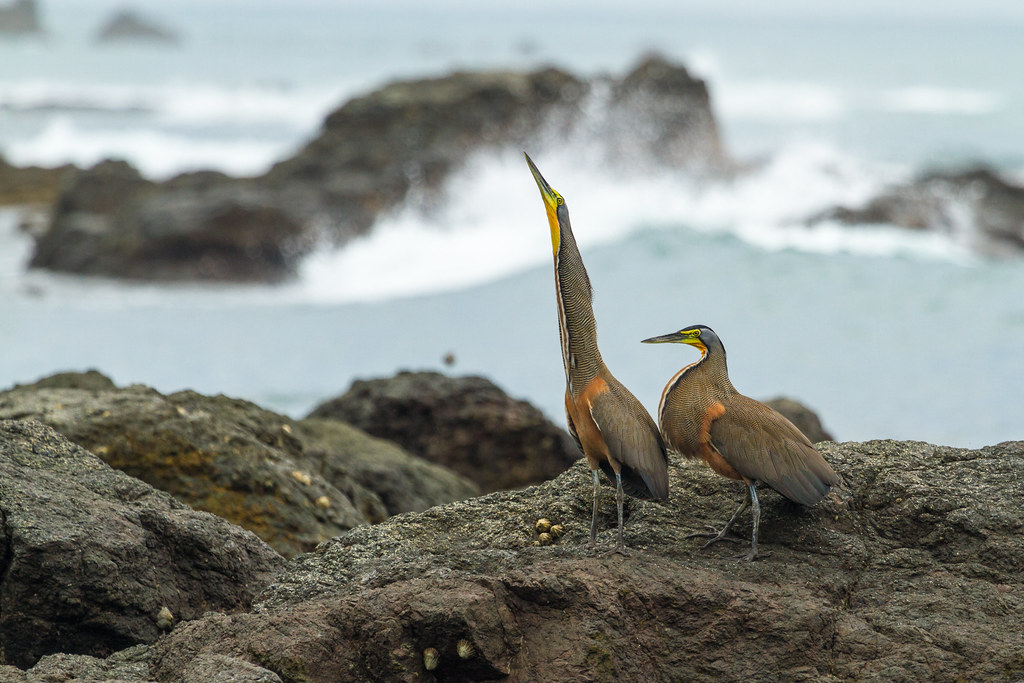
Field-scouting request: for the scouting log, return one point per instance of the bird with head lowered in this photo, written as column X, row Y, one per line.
column 615, row 432
column 703, row 416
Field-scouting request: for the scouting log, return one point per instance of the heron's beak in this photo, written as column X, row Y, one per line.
column 550, row 203
column 673, row 338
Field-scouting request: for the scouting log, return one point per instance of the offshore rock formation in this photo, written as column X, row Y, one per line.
column 910, row 571
column 374, row 153
column 20, row 18
column 130, row 26
column 465, row 423
column 294, row 484
column 976, row 207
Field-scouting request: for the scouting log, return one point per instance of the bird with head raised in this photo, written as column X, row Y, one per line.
column 611, row 427
column 703, row 416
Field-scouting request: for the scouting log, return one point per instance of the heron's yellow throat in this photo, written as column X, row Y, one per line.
column 552, row 210
column 552, row 200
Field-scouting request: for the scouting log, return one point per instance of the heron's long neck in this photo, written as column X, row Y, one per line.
column 707, row 379
column 576, row 324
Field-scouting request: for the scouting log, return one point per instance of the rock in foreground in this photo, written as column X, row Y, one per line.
column 294, row 485
column 90, row 556
column 465, row 423
column 911, row 572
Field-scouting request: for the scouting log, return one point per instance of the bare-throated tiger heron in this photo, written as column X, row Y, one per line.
column 703, row 416
column 611, row 427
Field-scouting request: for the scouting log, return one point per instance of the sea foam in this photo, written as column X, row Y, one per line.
column 490, row 222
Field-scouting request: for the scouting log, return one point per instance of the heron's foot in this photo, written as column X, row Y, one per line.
column 617, row 550
column 751, row 555
column 715, row 535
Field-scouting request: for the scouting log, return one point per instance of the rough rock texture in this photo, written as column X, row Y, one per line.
column 133, row 665
column 89, row 555
column 912, row 572
column 976, row 207
column 20, row 18
column 404, row 482
column 805, row 419
column 129, row 26
column 392, row 146
column 465, row 423
column 234, row 459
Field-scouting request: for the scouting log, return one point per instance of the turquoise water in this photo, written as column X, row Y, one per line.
column 885, row 333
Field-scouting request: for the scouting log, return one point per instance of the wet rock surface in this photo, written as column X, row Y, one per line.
column 90, row 556
column 391, row 147
column 465, row 423
column 293, row 485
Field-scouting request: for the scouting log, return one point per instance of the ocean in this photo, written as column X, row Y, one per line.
column 885, row 333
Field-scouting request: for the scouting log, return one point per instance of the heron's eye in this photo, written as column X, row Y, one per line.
column 694, row 333
column 560, row 201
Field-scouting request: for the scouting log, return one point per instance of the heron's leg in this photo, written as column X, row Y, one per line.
column 722, row 535
column 757, row 522
column 619, row 547
column 593, row 518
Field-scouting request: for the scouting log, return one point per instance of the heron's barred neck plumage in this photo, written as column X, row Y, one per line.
column 577, row 325
column 712, row 366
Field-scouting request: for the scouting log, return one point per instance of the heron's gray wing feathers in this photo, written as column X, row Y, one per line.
column 633, row 441
column 763, row 445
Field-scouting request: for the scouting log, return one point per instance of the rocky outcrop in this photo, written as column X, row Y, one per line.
column 911, row 571
column 393, row 146
column 977, row 208
column 20, row 18
column 293, row 485
column 465, row 423
column 93, row 560
column 130, row 26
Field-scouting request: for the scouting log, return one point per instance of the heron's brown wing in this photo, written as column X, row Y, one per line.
column 633, row 440
column 763, row 445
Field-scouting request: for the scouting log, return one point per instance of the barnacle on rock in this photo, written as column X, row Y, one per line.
column 164, row 619
column 431, row 658
column 465, row 649
column 542, row 525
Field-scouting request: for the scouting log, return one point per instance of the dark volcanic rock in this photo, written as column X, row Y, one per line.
column 976, row 207
column 913, row 572
column 234, row 459
column 89, row 555
column 465, row 423
column 20, row 18
column 129, row 26
column 111, row 221
column 396, row 145
column 805, row 419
